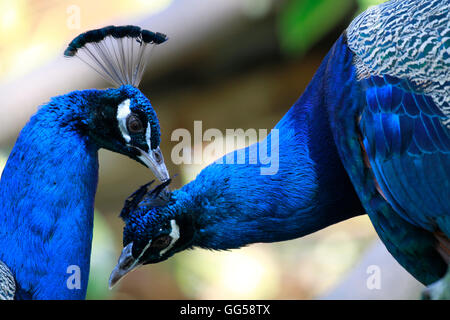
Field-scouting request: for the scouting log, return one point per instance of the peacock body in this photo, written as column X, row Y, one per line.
column 370, row 134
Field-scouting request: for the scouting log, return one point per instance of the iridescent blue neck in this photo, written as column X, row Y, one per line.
column 232, row 205
column 47, row 194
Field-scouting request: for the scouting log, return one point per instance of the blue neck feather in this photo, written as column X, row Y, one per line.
column 46, row 201
column 232, row 205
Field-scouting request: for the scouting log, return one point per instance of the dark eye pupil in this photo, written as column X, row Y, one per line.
column 161, row 242
column 134, row 124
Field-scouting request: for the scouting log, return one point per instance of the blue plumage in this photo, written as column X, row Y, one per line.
column 373, row 133
column 232, row 205
column 47, row 190
column 413, row 179
column 370, row 134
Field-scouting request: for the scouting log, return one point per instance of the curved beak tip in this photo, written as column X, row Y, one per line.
column 125, row 264
column 114, row 278
column 155, row 161
column 112, row 282
column 163, row 173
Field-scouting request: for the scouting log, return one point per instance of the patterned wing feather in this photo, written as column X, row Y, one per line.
column 409, row 151
column 7, row 283
column 407, row 39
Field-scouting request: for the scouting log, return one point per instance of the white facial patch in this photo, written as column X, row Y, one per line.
column 123, row 111
column 148, row 134
column 174, row 234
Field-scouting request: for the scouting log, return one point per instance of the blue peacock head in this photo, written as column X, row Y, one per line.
column 154, row 230
column 122, row 119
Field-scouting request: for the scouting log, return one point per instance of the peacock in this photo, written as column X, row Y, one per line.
column 369, row 135
column 48, row 185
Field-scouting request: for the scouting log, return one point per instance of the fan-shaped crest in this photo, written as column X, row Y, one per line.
column 119, row 54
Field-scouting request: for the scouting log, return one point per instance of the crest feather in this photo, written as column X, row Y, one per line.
column 118, row 53
column 143, row 197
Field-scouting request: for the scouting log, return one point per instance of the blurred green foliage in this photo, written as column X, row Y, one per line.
column 364, row 4
column 302, row 23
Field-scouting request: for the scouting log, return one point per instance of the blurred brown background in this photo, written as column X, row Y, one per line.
column 231, row 64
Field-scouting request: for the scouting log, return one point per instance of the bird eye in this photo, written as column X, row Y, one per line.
column 161, row 242
column 134, row 124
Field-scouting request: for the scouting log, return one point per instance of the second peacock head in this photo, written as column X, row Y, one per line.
column 154, row 229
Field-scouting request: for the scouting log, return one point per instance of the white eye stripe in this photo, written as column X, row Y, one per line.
column 174, row 234
column 148, row 135
column 123, row 111
column 140, row 256
column 145, row 249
